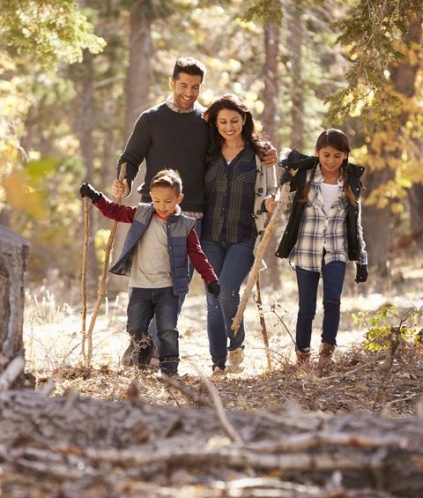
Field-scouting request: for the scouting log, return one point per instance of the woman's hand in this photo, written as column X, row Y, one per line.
column 270, row 204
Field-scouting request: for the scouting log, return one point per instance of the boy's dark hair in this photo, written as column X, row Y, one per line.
column 167, row 178
column 190, row 66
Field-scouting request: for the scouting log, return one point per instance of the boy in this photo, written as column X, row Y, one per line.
column 155, row 257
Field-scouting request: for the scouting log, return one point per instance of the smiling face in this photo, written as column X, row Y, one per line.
column 330, row 160
column 186, row 90
column 165, row 200
column 229, row 124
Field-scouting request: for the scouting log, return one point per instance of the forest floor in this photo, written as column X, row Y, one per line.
column 53, row 347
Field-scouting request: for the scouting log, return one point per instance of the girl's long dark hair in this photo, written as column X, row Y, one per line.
column 338, row 140
column 249, row 134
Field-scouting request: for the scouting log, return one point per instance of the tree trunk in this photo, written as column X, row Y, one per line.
column 83, row 77
column 138, row 79
column 13, row 263
column 415, row 193
column 271, row 125
column 378, row 222
column 270, row 118
column 295, row 46
column 415, row 197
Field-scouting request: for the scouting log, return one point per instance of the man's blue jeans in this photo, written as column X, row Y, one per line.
column 333, row 279
column 144, row 304
column 231, row 264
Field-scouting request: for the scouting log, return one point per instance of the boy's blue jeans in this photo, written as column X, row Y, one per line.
column 231, row 263
column 152, row 329
column 333, row 279
column 144, row 304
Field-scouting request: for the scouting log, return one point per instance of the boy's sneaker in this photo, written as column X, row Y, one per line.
column 130, row 354
column 139, row 353
column 169, row 366
column 146, row 351
column 235, row 359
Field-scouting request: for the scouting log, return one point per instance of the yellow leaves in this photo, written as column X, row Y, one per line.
column 390, row 193
column 20, row 196
column 26, row 188
column 384, row 141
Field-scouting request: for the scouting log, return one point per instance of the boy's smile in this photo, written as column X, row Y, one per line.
column 165, row 200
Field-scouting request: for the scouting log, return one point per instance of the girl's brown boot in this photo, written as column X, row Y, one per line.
column 326, row 362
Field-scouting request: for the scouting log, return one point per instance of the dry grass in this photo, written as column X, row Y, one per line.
column 53, row 343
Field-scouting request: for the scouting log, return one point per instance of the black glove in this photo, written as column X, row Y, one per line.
column 86, row 190
column 286, row 177
column 362, row 273
column 214, row 288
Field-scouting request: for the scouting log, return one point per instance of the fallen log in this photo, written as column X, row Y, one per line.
column 79, row 446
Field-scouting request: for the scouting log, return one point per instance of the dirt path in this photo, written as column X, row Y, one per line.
column 52, row 339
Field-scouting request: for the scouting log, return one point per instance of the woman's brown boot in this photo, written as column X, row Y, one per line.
column 326, row 362
column 303, row 357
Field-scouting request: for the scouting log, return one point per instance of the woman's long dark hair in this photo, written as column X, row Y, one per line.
column 249, row 134
column 337, row 139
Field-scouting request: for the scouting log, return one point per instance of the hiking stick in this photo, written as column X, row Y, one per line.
column 259, row 303
column 86, row 201
column 102, row 286
column 261, row 249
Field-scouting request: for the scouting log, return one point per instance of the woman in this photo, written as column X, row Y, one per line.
column 323, row 231
column 239, row 193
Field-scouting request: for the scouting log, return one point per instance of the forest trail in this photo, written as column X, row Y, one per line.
column 53, row 346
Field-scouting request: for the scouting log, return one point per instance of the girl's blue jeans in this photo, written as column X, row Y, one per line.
column 231, row 262
column 333, row 279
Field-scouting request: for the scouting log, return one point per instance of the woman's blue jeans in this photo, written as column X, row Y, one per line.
column 231, row 263
column 333, row 279
column 144, row 304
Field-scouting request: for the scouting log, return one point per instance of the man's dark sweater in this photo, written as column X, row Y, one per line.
column 170, row 139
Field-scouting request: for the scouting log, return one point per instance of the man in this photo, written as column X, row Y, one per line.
column 173, row 135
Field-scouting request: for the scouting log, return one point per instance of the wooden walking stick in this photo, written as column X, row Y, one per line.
column 257, row 299
column 86, row 201
column 261, row 249
column 102, row 286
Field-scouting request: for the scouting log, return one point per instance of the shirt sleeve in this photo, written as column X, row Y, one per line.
column 363, row 255
column 136, row 149
column 199, row 259
column 115, row 211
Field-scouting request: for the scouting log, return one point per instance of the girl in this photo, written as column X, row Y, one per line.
column 323, row 232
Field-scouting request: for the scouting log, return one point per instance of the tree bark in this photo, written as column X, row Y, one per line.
column 295, row 47
column 270, row 118
column 271, row 126
column 138, row 79
column 377, row 222
column 84, row 79
column 415, row 198
column 14, row 252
